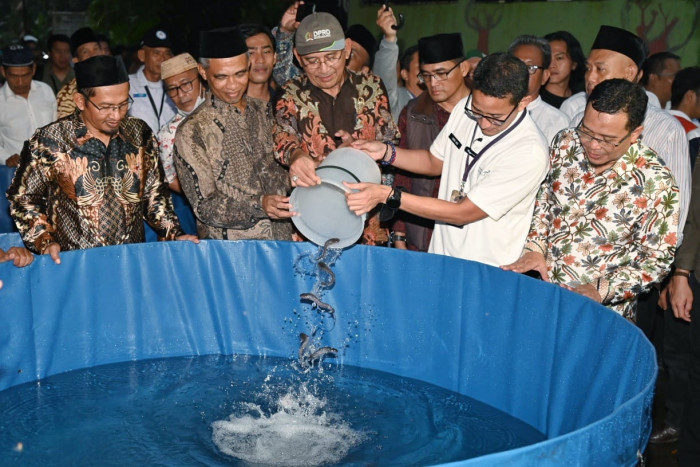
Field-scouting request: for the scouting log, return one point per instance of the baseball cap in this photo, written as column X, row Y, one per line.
column 156, row 38
column 319, row 32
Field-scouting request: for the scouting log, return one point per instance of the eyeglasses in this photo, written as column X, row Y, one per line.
column 478, row 116
column 424, row 76
column 183, row 88
column 532, row 69
column 605, row 145
column 329, row 59
column 107, row 109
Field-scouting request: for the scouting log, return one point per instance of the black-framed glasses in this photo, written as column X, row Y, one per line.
column 532, row 69
column 478, row 116
column 606, row 145
column 107, row 109
column 330, row 59
column 184, row 88
column 424, row 76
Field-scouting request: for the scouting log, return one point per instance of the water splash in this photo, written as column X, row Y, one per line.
column 300, row 430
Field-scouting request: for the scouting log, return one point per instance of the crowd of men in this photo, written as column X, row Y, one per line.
column 506, row 159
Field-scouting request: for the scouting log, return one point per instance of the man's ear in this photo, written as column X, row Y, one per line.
column 202, row 71
column 632, row 73
column 545, row 76
column 636, row 134
column 79, row 100
column 464, row 68
column 141, row 54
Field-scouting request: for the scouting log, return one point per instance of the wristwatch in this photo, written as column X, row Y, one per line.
column 392, row 204
column 394, row 199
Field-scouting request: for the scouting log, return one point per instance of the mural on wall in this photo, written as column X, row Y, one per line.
column 658, row 23
column 482, row 18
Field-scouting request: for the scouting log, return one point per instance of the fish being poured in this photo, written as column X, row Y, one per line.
column 307, row 358
column 317, row 303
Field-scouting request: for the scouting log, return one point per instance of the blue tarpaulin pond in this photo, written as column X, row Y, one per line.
column 574, row 370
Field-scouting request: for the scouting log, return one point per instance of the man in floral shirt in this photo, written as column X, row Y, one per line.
column 328, row 106
column 606, row 219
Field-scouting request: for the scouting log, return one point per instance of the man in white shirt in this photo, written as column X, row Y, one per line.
column 492, row 159
column 25, row 104
column 151, row 103
column 617, row 53
column 536, row 53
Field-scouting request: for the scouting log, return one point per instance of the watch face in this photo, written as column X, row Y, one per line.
column 394, row 201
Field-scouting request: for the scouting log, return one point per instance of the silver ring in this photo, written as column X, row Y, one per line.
column 295, row 178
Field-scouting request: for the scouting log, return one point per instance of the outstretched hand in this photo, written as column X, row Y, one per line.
column 375, row 149
column 289, row 23
column 367, row 197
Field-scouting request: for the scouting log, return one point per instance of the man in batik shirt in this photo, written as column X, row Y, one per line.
column 91, row 180
column 606, row 219
column 224, row 154
column 328, row 106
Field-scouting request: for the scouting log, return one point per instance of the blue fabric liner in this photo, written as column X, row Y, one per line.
column 571, row 368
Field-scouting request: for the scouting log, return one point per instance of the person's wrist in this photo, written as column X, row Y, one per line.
column 681, row 273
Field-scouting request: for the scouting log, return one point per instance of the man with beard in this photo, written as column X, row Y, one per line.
column 442, row 72
column 224, row 154
column 91, row 179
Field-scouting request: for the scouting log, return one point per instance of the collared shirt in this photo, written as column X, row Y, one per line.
column 225, row 163
column 691, row 129
column 616, row 230
column 665, row 136
column 156, row 110
column 50, row 78
column 20, row 117
column 549, row 120
column 306, row 117
column 72, row 189
column 503, row 183
column 64, row 99
column 166, row 141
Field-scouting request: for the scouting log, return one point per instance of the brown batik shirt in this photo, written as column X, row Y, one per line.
column 307, row 118
column 64, row 99
column 73, row 190
column 225, row 163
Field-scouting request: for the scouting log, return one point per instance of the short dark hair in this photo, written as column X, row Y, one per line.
column 573, row 48
column 53, row 38
column 407, row 57
column 87, row 92
column 539, row 42
column 688, row 79
column 501, row 75
column 251, row 29
column 619, row 95
column 655, row 64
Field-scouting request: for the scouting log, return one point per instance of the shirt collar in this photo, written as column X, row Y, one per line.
column 9, row 93
column 81, row 132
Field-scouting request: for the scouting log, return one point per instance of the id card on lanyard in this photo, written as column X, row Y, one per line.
column 458, row 195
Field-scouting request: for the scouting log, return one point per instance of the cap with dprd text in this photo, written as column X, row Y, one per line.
column 319, row 32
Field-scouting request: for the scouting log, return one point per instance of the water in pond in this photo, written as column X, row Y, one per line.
column 245, row 410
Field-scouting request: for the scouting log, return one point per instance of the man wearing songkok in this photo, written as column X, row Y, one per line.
column 363, row 46
column 328, row 106
column 442, row 72
column 91, row 179
column 224, row 154
column 83, row 44
column 617, row 53
column 151, row 102
column 182, row 83
column 605, row 222
column 536, row 53
column 492, row 159
column 25, row 104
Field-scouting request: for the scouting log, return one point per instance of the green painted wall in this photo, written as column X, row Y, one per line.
column 648, row 18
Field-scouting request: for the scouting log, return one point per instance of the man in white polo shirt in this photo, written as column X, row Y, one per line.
column 492, row 160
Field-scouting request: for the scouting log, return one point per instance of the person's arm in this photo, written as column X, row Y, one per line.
column 284, row 68
column 387, row 56
column 237, row 210
column 674, row 151
column 156, row 202
column 385, row 128
column 28, row 195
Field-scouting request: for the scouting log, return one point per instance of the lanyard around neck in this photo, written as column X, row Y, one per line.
column 476, row 156
column 153, row 104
